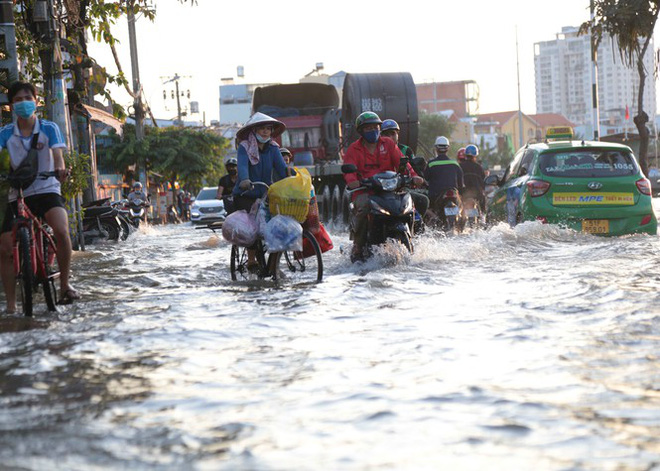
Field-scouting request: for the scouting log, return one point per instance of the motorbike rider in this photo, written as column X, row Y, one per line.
column 227, row 183
column 390, row 128
column 473, row 176
column 138, row 194
column 460, row 155
column 286, row 155
column 371, row 154
column 442, row 173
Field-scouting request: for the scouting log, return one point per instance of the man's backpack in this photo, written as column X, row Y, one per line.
column 26, row 173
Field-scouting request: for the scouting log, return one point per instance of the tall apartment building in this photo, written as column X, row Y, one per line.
column 563, row 82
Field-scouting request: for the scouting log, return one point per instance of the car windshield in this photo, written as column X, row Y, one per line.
column 207, row 194
column 588, row 163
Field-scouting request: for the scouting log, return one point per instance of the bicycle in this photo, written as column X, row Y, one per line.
column 34, row 251
column 296, row 267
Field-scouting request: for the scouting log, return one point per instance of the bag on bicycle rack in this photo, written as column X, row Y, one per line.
column 26, row 173
column 291, row 195
column 322, row 237
column 240, row 228
column 283, row 233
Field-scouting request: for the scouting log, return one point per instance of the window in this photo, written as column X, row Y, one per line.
column 588, row 163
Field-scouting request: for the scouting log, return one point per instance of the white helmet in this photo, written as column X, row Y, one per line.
column 441, row 141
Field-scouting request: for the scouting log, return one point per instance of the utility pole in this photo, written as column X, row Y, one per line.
column 595, row 115
column 9, row 64
column 175, row 79
column 137, row 87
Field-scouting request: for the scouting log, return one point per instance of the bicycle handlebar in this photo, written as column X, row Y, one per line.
column 253, row 184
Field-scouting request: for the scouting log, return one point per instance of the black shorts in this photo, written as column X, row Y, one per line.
column 243, row 202
column 38, row 204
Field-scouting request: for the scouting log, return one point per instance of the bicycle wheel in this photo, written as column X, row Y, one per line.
column 25, row 276
column 242, row 270
column 52, row 273
column 295, row 266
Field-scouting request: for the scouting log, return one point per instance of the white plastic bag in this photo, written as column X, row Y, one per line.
column 283, row 233
column 240, row 228
column 263, row 216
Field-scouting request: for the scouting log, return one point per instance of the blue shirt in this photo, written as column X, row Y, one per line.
column 18, row 146
column 270, row 159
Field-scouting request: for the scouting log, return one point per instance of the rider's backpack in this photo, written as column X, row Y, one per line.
column 26, row 173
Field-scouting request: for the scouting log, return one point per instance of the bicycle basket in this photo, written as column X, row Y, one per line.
column 294, row 207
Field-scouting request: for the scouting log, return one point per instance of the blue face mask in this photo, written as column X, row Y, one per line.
column 25, row 109
column 263, row 140
column 371, row 136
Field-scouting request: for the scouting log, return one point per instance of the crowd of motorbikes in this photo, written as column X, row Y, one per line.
column 112, row 220
column 393, row 216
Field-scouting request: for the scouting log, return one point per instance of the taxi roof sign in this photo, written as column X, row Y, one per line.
column 559, row 133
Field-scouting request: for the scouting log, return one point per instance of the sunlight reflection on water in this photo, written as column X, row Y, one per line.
column 526, row 348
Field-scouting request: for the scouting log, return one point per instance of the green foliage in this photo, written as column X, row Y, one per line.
column 186, row 155
column 432, row 126
column 79, row 164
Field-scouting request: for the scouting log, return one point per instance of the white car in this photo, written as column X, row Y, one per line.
column 207, row 208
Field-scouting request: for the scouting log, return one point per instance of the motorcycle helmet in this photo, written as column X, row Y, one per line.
column 442, row 144
column 471, row 151
column 231, row 161
column 460, row 155
column 137, row 186
column 368, row 117
column 284, row 151
column 388, row 125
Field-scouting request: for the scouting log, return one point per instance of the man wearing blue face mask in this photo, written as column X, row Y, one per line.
column 43, row 197
column 371, row 154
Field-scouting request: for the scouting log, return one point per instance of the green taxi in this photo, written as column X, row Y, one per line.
column 588, row 186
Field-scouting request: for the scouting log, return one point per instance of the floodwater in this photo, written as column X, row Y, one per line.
column 534, row 348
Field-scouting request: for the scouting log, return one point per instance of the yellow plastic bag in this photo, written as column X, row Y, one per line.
column 291, row 195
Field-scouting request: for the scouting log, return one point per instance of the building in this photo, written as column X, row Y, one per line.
column 563, row 82
column 492, row 129
column 462, row 97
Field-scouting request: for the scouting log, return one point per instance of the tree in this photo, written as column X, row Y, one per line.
column 77, row 17
column 187, row 156
column 432, row 126
column 631, row 23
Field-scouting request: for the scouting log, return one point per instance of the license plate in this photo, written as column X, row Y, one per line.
column 451, row 211
column 596, row 226
column 472, row 213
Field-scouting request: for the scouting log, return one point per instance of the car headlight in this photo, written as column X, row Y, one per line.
column 194, row 214
column 389, row 184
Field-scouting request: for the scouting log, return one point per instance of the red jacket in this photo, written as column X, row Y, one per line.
column 387, row 157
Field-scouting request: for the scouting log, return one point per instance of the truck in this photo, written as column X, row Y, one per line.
column 320, row 127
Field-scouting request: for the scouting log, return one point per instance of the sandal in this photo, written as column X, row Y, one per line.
column 69, row 296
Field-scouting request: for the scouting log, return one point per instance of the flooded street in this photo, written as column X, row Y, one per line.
column 527, row 348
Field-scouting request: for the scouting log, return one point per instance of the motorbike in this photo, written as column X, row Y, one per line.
column 137, row 211
column 445, row 210
column 471, row 213
column 392, row 210
column 172, row 215
column 101, row 222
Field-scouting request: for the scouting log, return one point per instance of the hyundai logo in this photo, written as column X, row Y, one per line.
column 594, row 185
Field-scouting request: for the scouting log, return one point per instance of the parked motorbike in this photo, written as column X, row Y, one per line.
column 101, row 222
column 392, row 210
column 445, row 211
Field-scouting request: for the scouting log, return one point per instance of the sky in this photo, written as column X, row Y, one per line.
column 282, row 41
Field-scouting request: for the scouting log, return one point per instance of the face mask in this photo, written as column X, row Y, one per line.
column 371, row 136
column 25, row 109
column 232, row 171
column 263, row 140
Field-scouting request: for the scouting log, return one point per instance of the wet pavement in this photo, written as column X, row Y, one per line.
column 527, row 348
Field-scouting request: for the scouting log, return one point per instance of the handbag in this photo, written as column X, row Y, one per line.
column 26, row 173
column 322, row 237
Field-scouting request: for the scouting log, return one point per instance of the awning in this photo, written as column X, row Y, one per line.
column 102, row 116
